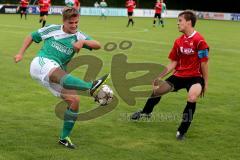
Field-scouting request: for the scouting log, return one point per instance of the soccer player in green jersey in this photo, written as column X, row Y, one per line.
column 164, row 12
column 61, row 42
column 103, row 6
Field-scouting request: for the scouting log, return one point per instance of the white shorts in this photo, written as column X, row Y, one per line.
column 103, row 11
column 39, row 70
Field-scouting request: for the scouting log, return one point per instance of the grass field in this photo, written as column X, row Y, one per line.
column 29, row 128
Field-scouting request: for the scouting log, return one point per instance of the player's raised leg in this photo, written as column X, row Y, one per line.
column 158, row 91
column 68, row 81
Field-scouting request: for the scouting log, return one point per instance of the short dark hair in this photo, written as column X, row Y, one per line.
column 189, row 15
column 69, row 12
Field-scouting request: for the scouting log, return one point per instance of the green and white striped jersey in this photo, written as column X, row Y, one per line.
column 58, row 45
column 164, row 8
column 103, row 4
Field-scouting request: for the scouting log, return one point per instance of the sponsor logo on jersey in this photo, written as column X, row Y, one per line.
column 62, row 48
column 186, row 51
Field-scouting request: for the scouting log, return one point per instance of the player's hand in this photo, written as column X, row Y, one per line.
column 18, row 58
column 78, row 45
column 204, row 90
column 155, row 83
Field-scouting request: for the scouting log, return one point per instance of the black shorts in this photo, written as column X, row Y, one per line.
column 130, row 13
column 158, row 15
column 43, row 13
column 23, row 10
column 184, row 82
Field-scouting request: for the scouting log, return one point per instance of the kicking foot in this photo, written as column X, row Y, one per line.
column 97, row 83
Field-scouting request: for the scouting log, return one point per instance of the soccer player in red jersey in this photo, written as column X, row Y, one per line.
column 44, row 6
column 23, row 8
column 158, row 11
column 130, row 5
column 189, row 63
column 76, row 4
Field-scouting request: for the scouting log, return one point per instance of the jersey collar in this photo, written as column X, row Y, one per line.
column 194, row 32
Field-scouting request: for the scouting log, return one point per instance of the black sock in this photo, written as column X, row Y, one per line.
column 43, row 24
column 132, row 22
column 154, row 22
column 21, row 15
column 40, row 21
column 187, row 117
column 25, row 16
column 129, row 20
column 150, row 104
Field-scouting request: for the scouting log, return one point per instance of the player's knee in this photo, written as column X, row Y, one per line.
column 192, row 98
column 74, row 103
column 75, row 100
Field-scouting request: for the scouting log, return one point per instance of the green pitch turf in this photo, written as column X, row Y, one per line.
column 29, row 128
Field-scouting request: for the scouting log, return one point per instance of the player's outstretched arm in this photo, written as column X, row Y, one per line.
column 26, row 43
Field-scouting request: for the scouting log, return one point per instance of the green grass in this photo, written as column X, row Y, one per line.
column 29, row 128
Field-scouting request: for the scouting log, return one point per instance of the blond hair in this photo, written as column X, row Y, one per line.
column 69, row 12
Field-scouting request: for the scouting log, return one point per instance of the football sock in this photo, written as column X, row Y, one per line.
column 21, row 15
column 160, row 22
column 150, row 104
column 129, row 22
column 154, row 21
column 70, row 82
column 187, row 117
column 70, row 118
column 43, row 24
column 25, row 16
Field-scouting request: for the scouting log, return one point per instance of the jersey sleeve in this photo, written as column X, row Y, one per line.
column 173, row 55
column 36, row 36
column 83, row 36
column 45, row 32
column 203, row 50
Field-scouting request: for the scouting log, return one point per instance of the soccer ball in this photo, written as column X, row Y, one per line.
column 104, row 95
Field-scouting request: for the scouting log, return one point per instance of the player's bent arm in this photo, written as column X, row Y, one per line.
column 93, row 44
column 26, row 43
column 204, row 68
column 170, row 67
column 89, row 44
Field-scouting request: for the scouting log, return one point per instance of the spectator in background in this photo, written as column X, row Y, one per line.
column 130, row 5
column 164, row 11
column 103, row 5
column 73, row 3
column 23, row 8
column 96, row 4
column 44, row 6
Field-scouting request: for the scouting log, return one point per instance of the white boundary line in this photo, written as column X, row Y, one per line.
column 122, row 38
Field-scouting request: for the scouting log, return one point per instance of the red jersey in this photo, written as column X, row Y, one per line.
column 185, row 52
column 24, row 3
column 44, row 5
column 76, row 4
column 130, row 4
column 158, row 7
